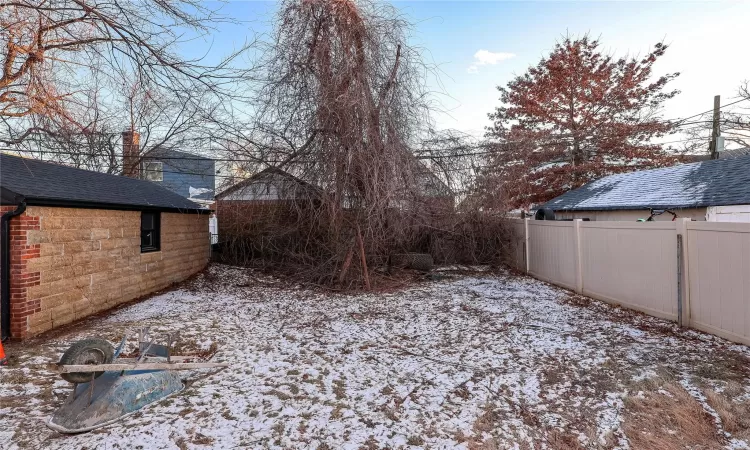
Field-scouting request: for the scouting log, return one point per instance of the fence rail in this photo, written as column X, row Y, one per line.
column 697, row 273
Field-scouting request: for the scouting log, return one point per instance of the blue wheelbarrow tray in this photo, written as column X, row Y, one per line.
column 114, row 394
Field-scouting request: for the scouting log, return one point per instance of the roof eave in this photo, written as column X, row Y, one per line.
column 8, row 197
column 634, row 207
column 31, row 201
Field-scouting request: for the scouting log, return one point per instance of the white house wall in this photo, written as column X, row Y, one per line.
column 735, row 213
column 268, row 188
column 697, row 214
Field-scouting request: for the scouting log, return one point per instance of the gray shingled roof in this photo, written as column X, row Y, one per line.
column 708, row 183
column 45, row 183
column 734, row 153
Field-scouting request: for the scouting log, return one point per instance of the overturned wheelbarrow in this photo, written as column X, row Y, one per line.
column 107, row 388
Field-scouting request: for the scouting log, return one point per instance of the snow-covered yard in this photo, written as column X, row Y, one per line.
column 479, row 361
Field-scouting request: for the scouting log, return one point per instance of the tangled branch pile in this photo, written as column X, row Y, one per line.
column 343, row 105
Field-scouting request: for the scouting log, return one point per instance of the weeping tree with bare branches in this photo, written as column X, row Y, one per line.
column 342, row 106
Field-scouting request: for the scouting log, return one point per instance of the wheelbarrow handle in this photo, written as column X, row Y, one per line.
column 121, row 346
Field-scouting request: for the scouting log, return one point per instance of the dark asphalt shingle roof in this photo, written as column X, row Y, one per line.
column 41, row 182
column 718, row 182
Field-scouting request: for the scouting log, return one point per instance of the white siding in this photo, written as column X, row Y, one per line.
column 625, row 215
column 268, row 188
column 735, row 213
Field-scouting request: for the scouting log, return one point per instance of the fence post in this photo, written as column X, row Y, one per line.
column 526, row 243
column 683, row 274
column 578, row 255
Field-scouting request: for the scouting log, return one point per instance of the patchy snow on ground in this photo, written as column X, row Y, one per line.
column 483, row 361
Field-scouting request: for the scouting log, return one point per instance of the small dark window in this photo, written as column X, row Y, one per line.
column 150, row 232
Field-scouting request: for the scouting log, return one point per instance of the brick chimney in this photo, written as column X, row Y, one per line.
column 131, row 153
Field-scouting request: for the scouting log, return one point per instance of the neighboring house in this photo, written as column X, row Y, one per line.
column 76, row 242
column 189, row 175
column 734, row 153
column 270, row 185
column 714, row 190
column 724, row 154
column 266, row 199
column 277, row 185
column 431, row 187
column 272, row 198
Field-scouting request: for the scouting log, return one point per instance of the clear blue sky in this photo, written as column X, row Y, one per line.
column 709, row 44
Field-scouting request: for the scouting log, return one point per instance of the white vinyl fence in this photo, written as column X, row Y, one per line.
column 553, row 255
column 718, row 285
column 696, row 273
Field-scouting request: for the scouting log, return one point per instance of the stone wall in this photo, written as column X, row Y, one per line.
column 70, row 263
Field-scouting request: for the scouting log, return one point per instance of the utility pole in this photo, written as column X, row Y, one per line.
column 713, row 147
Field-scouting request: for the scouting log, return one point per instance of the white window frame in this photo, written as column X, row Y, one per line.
column 153, row 171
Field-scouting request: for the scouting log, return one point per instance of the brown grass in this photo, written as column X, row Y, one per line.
column 488, row 444
column 734, row 414
column 577, row 300
column 671, row 419
column 560, row 440
column 491, row 419
column 488, row 420
column 202, row 439
column 727, row 365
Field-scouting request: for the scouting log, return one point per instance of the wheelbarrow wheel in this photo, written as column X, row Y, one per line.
column 89, row 351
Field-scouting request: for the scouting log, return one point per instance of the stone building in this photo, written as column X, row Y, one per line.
column 76, row 242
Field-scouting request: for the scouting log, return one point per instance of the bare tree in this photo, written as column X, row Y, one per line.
column 54, row 48
column 735, row 123
column 734, row 126
column 455, row 157
column 163, row 119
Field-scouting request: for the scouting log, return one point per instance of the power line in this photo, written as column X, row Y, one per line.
column 271, row 162
column 682, row 140
column 693, row 123
column 155, row 157
column 432, row 158
column 711, row 110
column 475, row 168
column 206, row 158
column 187, row 158
column 237, row 177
